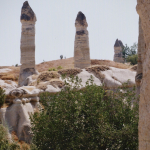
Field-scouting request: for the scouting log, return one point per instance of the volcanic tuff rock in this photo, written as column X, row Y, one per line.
column 27, row 46
column 143, row 9
column 141, row 51
column 81, row 45
column 118, row 51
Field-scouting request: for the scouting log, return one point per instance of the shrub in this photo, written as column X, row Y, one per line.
column 59, row 67
column 90, row 119
column 61, row 56
column 132, row 59
column 4, row 142
column 2, row 97
column 52, row 69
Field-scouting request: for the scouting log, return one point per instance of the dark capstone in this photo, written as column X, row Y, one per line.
column 80, row 18
column 118, row 43
column 25, row 5
column 25, row 17
column 80, row 32
column 29, row 10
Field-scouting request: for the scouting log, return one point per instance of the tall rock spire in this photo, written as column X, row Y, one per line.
column 27, row 46
column 118, row 47
column 81, row 45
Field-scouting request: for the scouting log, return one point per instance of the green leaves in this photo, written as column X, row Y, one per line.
column 88, row 118
column 2, row 97
column 129, row 51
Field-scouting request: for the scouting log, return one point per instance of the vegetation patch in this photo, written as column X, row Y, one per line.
column 52, row 69
column 87, row 119
column 69, row 72
column 2, row 97
column 5, row 143
column 47, row 75
column 109, row 63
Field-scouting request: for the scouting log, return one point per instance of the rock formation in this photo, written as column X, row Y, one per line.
column 27, row 46
column 143, row 9
column 81, row 45
column 141, row 51
column 118, row 51
column 17, row 116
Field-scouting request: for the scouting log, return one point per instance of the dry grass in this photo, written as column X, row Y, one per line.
column 69, row 72
column 11, row 75
column 54, row 82
column 64, row 63
column 42, row 86
column 133, row 68
column 22, row 144
column 109, row 63
column 47, row 76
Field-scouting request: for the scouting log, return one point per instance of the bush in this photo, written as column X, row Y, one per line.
column 2, row 97
column 87, row 119
column 52, row 69
column 129, row 51
column 4, row 142
column 59, row 67
column 132, row 59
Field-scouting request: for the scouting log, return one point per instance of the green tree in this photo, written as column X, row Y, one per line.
column 2, row 97
column 132, row 59
column 87, row 119
column 129, row 51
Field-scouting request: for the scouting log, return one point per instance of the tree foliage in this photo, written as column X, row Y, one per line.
column 2, row 97
column 88, row 119
column 129, row 51
column 132, row 59
column 5, row 144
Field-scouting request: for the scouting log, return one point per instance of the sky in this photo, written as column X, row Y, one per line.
column 55, row 27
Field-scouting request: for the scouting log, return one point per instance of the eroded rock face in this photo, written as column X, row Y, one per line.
column 143, row 9
column 27, row 46
column 81, row 45
column 141, row 53
column 118, row 51
column 17, row 116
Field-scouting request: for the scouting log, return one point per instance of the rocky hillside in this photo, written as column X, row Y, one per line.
column 12, row 73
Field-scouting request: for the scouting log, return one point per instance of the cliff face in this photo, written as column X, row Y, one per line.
column 81, row 45
column 27, row 46
column 143, row 9
column 141, row 51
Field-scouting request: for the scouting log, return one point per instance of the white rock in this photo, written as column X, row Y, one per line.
column 4, row 70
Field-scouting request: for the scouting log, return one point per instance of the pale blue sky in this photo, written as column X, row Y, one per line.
column 55, row 30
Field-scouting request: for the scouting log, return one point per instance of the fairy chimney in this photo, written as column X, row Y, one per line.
column 118, row 47
column 81, row 44
column 27, row 46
